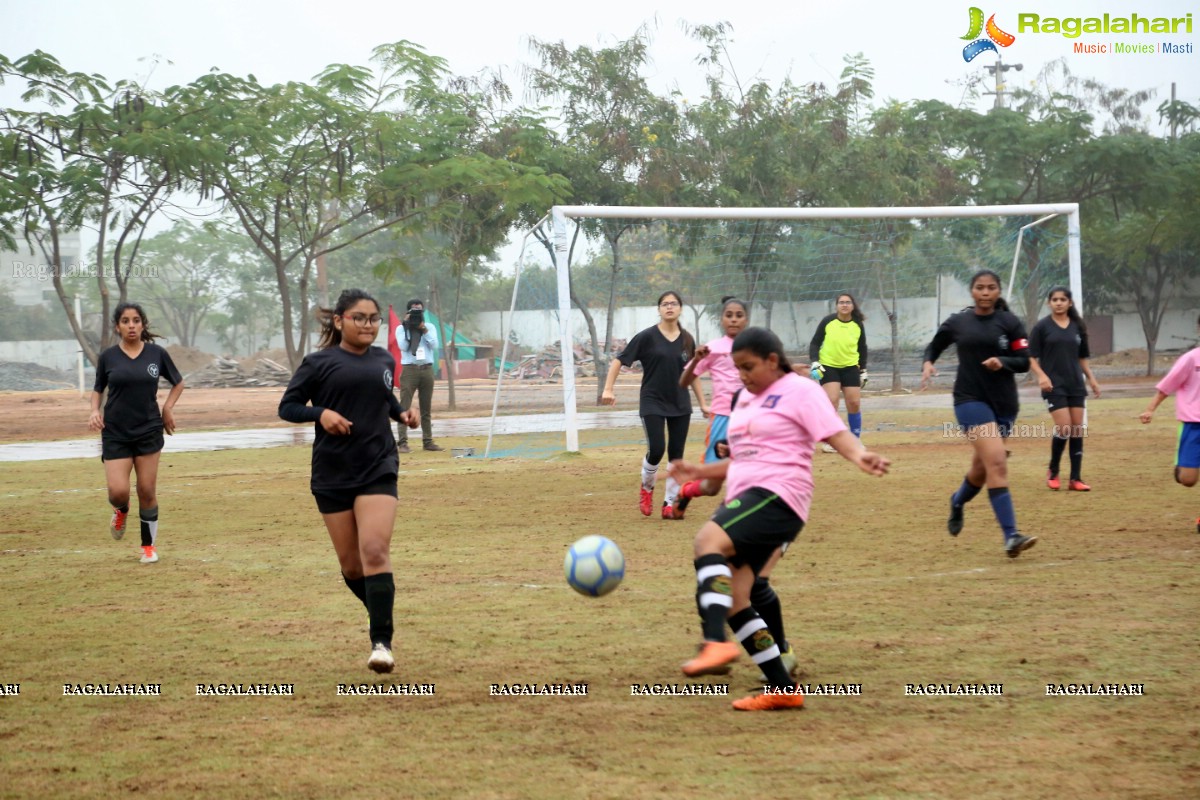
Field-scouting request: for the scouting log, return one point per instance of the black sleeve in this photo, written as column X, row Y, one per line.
column 1084, row 350
column 941, row 340
column 818, row 339
column 394, row 407
column 1035, row 340
column 169, row 370
column 862, row 346
column 293, row 406
column 101, row 374
column 633, row 350
column 1018, row 346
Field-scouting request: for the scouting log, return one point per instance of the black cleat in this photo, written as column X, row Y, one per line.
column 1014, row 546
column 955, row 524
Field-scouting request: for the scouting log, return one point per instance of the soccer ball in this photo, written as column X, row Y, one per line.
column 594, row 566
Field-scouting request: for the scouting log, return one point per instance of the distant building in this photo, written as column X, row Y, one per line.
column 28, row 276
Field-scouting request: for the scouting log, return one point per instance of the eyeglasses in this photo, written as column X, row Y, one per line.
column 362, row 321
column 668, row 304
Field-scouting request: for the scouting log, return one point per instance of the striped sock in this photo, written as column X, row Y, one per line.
column 752, row 632
column 714, row 594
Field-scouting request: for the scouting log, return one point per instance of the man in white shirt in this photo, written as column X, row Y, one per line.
column 418, row 353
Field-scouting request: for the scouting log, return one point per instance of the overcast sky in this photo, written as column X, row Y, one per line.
column 915, row 48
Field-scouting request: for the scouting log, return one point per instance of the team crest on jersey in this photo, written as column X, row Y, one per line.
column 153, row 370
column 387, row 378
column 1003, row 342
column 771, row 400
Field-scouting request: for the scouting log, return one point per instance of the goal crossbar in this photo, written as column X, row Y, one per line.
column 561, row 237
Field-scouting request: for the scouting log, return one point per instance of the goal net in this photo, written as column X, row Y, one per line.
column 590, row 276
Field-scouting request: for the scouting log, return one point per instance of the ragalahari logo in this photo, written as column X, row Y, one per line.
column 995, row 36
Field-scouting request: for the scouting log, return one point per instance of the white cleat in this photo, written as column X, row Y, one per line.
column 381, row 659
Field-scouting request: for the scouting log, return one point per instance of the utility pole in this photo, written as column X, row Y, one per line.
column 998, row 69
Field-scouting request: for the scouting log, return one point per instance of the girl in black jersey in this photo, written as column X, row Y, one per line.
column 1058, row 349
column 992, row 347
column 354, row 461
column 131, row 425
column 663, row 349
column 838, row 352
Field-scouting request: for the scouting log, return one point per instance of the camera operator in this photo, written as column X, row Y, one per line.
column 418, row 353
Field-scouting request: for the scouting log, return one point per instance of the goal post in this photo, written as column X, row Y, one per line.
column 827, row 268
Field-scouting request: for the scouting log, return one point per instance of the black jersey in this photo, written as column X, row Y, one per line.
column 131, row 410
column 359, row 387
column 662, row 365
column 1058, row 351
column 980, row 337
column 839, row 343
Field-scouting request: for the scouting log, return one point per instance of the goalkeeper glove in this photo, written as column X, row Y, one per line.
column 816, row 372
column 862, row 379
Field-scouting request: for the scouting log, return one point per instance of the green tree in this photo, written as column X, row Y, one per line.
column 613, row 126
column 189, row 273
column 84, row 152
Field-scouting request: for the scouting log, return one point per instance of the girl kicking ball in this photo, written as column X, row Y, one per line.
column 773, row 429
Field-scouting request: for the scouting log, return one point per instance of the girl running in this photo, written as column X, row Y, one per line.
column 715, row 358
column 1183, row 381
column 131, row 425
column 772, row 431
column 663, row 349
column 354, row 463
column 1058, row 356
column 992, row 348
column 838, row 352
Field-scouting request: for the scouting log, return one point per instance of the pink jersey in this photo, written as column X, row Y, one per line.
column 771, row 439
column 725, row 380
column 1183, row 381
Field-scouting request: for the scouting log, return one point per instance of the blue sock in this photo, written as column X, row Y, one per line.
column 855, row 421
column 1002, row 507
column 965, row 494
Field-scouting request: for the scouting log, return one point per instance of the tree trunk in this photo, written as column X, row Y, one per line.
column 434, row 298
column 451, row 352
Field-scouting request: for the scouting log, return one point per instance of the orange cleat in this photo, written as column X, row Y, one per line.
column 116, row 526
column 770, row 702
column 714, row 658
column 1053, row 482
column 668, row 512
column 149, row 555
column 1078, row 486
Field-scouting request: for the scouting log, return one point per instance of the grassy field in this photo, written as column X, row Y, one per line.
column 875, row 593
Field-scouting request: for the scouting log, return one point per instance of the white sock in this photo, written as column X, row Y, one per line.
column 649, row 475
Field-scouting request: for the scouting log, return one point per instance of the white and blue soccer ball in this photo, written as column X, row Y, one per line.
column 594, row 566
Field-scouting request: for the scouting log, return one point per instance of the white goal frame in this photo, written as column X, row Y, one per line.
column 561, row 235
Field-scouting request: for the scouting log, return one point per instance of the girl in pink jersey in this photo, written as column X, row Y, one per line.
column 773, row 429
column 1183, row 381
column 716, row 359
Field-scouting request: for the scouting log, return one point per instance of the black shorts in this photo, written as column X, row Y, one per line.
column 335, row 501
column 846, row 376
column 114, row 449
column 1057, row 400
column 758, row 522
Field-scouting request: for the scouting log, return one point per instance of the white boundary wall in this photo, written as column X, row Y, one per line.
column 537, row 329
